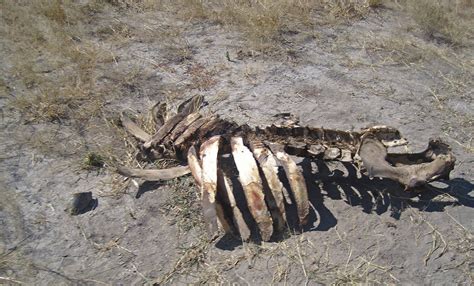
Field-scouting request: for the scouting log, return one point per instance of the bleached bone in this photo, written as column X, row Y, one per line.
column 435, row 148
column 224, row 185
column 155, row 174
column 189, row 132
column 134, row 129
column 332, row 153
column 251, row 183
column 182, row 126
column 374, row 155
column 346, row 155
column 186, row 108
column 159, row 114
column 195, row 167
column 196, row 171
column 224, row 222
column 208, row 154
column 296, row 180
column 388, row 136
column 269, row 167
column 258, row 170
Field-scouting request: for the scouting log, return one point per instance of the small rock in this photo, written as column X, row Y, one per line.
column 81, row 203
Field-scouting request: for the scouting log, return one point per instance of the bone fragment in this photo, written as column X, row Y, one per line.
column 195, row 167
column 250, row 179
column 208, row 126
column 190, row 131
column 159, row 113
column 296, row 180
column 315, row 150
column 223, row 222
column 346, row 155
column 387, row 135
column 331, row 153
column 296, row 148
column 182, row 126
column 435, row 148
column 191, row 105
column 196, row 171
column 187, row 108
column 154, row 175
column 134, row 129
column 164, row 130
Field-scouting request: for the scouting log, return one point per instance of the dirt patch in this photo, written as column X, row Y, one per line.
column 377, row 66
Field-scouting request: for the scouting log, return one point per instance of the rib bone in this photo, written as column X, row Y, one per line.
column 134, row 129
column 182, row 126
column 252, row 185
column 186, row 108
column 195, row 167
column 224, row 185
column 154, row 175
column 208, row 154
column 189, row 132
column 297, row 183
column 269, row 167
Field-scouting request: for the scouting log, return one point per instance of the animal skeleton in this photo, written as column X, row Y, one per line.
column 217, row 150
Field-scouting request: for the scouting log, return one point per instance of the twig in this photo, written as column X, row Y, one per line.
column 435, row 234
column 302, row 264
column 10, row 280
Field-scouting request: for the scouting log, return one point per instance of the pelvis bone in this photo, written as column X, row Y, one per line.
column 214, row 151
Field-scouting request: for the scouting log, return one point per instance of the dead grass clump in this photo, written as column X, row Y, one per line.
column 93, row 161
column 201, row 78
column 437, row 20
column 398, row 49
column 54, row 11
column 374, row 3
column 140, row 5
column 266, row 24
column 55, row 104
column 347, row 9
column 176, row 48
column 191, row 256
column 183, row 210
column 262, row 22
column 51, row 61
column 182, row 205
column 117, row 32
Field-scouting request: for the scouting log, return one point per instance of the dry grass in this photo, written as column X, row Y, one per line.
column 349, row 9
column 182, row 206
column 262, row 22
column 266, row 24
column 202, row 78
column 442, row 19
column 57, row 63
column 53, row 64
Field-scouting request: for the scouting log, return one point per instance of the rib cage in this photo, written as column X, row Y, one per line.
column 215, row 148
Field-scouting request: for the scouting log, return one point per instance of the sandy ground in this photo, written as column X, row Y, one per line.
column 337, row 77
